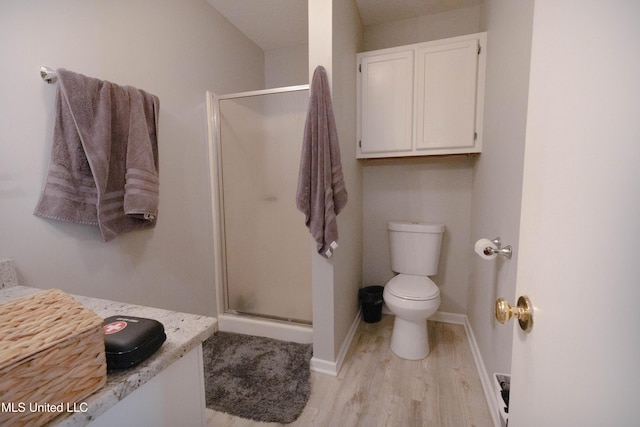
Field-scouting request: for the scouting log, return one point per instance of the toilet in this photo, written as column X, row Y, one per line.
column 411, row 295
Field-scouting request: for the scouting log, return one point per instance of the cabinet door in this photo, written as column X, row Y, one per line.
column 386, row 109
column 446, row 79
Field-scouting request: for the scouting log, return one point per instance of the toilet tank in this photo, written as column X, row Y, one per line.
column 415, row 247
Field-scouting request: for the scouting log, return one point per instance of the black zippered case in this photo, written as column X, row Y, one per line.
column 130, row 340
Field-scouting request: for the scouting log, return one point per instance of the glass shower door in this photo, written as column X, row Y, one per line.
column 267, row 249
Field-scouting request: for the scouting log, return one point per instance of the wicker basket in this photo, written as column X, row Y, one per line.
column 51, row 357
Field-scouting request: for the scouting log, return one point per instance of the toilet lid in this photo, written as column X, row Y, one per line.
column 417, row 288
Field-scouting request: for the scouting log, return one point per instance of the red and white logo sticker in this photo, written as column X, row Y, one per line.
column 114, row 327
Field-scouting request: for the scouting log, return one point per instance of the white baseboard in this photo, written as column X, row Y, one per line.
column 323, row 366
column 485, row 378
column 329, row 367
column 453, row 318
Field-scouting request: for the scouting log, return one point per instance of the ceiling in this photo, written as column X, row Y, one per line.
column 280, row 23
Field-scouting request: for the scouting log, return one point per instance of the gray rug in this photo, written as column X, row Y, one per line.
column 261, row 379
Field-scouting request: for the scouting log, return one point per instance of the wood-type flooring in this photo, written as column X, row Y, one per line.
column 377, row 388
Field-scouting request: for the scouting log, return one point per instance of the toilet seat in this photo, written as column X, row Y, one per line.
column 414, row 288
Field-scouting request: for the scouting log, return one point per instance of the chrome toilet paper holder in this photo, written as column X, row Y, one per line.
column 506, row 251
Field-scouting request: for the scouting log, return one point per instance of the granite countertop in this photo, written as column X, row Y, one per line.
column 184, row 333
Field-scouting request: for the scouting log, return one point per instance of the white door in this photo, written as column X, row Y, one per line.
column 579, row 258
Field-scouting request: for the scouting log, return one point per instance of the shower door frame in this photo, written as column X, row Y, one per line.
column 230, row 320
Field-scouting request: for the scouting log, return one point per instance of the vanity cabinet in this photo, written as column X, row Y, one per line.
column 422, row 99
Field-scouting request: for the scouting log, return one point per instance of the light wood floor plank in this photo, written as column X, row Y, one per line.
column 377, row 388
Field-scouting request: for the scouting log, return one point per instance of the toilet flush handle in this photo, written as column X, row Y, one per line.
column 523, row 312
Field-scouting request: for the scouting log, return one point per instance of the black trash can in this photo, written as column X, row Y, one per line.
column 371, row 302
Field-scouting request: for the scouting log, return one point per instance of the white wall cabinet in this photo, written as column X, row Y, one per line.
column 422, row 99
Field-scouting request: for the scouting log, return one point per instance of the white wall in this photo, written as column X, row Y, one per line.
column 175, row 49
column 428, row 189
column 334, row 39
column 320, row 53
column 431, row 189
column 422, row 28
column 497, row 177
column 286, row 66
column 347, row 39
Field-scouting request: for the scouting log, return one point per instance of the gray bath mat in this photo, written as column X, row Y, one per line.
column 261, row 379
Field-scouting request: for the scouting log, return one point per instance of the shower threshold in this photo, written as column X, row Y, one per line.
column 275, row 328
column 268, row 317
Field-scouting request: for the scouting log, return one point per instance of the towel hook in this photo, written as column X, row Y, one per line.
column 49, row 75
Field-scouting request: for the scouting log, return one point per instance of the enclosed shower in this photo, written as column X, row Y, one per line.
column 263, row 252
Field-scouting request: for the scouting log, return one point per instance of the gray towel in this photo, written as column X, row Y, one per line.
column 321, row 191
column 104, row 157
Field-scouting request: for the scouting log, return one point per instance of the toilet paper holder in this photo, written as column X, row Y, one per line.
column 506, row 251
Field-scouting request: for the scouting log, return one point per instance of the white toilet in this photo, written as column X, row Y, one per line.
column 411, row 296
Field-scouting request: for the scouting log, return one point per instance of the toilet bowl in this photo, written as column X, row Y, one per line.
column 413, row 299
column 411, row 295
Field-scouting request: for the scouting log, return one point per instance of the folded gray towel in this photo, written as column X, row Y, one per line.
column 104, row 157
column 321, row 191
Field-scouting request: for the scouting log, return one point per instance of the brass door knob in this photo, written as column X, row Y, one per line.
column 523, row 312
